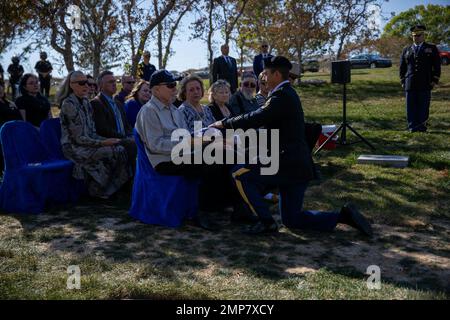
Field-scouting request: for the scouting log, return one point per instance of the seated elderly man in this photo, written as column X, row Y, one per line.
column 243, row 101
column 110, row 119
column 155, row 123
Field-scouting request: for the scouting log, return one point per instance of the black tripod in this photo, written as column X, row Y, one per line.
column 344, row 125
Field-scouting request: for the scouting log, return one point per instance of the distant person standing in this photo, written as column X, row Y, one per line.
column 225, row 67
column 258, row 61
column 145, row 68
column 127, row 86
column 1, row 73
column 420, row 70
column 44, row 68
column 15, row 71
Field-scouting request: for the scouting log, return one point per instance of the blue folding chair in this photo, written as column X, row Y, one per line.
column 160, row 199
column 32, row 180
column 50, row 132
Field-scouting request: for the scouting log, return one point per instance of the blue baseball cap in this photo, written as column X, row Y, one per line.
column 162, row 76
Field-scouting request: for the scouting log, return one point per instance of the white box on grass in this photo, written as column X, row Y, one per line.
column 385, row 160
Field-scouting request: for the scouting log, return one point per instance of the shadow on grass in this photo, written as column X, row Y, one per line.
column 96, row 229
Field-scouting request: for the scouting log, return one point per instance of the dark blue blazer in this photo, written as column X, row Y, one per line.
column 258, row 65
column 222, row 70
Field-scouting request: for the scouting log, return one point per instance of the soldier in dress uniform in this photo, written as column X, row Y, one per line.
column 283, row 112
column 44, row 69
column 420, row 69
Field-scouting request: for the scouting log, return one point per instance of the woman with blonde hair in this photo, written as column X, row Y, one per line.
column 139, row 96
column 219, row 96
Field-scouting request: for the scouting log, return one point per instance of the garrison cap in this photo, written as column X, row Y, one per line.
column 277, row 62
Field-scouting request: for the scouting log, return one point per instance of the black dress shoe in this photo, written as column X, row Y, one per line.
column 201, row 222
column 351, row 216
column 261, row 227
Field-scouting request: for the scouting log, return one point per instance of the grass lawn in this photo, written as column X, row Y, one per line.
column 410, row 208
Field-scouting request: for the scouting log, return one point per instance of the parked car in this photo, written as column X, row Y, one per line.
column 369, row 61
column 311, row 65
column 444, row 53
column 203, row 74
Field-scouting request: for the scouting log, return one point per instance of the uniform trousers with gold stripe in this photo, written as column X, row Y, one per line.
column 252, row 185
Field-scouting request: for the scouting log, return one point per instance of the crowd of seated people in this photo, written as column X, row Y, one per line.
column 102, row 162
column 96, row 128
column 97, row 125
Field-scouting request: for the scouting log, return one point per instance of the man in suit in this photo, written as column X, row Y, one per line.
column 110, row 120
column 283, row 112
column 420, row 70
column 225, row 67
column 258, row 61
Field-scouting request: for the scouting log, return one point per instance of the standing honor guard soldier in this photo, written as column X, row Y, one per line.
column 420, row 69
column 44, row 69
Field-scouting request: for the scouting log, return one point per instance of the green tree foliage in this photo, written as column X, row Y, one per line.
column 435, row 17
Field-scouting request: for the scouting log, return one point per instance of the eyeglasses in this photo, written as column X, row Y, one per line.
column 169, row 85
column 249, row 84
column 82, row 82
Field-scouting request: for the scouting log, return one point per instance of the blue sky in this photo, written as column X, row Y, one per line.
column 197, row 49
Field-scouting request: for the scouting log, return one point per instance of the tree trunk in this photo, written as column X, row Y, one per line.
column 299, row 61
column 145, row 32
column 66, row 50
column 172, row 34
column 341, row 45
column 209, row 41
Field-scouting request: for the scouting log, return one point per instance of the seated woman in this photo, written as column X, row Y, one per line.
column 33, row 106
column 220, row 191
column 219, row 96
column 136, row 99
column 191, row 92
column 8, row 112
column 101, row 162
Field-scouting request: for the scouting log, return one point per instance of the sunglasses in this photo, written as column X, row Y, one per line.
column 249, row 84
column 264, row 46
column 130, row 82
column 82, row 82
column 169, row 85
